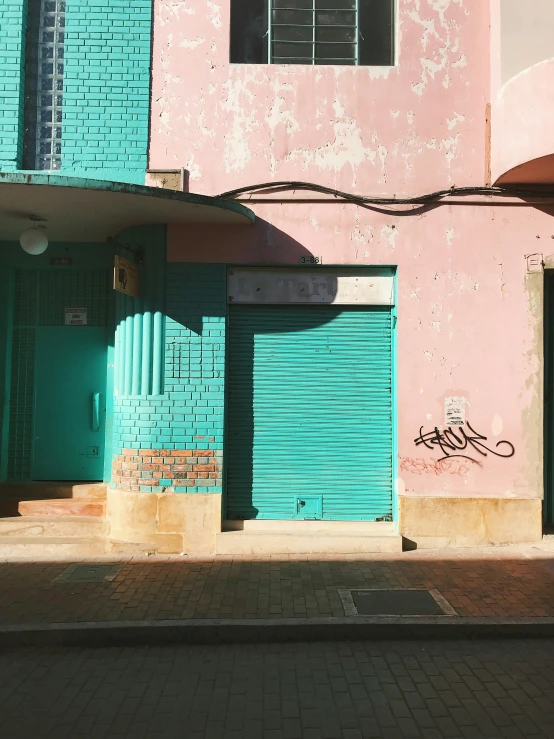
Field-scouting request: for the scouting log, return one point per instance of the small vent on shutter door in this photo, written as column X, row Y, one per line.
column 310, row 412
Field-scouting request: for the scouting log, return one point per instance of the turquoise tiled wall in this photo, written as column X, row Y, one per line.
column 195, row 353
column 13, row 23
column 190, row 413
column 107, row 87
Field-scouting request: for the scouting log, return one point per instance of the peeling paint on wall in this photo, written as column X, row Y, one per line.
column 465, row 324
column 346, row 127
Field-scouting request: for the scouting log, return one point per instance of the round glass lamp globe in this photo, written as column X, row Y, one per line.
column 34, row 241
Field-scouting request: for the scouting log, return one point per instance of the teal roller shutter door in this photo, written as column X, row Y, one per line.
column 310, row 411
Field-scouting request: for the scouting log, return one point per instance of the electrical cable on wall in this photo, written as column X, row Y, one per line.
column 360, row 199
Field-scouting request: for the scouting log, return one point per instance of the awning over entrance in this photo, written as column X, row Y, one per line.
column 78, row 209
column 522, row 131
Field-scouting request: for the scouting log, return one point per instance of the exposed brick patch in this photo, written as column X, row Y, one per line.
column 153, row 470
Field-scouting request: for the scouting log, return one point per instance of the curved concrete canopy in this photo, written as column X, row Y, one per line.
column 77, row 209
column 523, row 134
column 536, row 172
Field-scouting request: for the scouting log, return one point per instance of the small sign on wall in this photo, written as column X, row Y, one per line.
column 75, row 316
column 455, row 411
column 126, row 277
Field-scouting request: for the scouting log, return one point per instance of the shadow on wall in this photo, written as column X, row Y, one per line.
column 203, row 254
column 547, row 209
column 277, row 391
column 262, row 243
column 254, row 357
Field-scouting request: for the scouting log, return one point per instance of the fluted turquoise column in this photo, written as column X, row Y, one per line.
column 129, row 338
column 147, row 350
column 139, row 353
column 157, row 354
column 136, row 383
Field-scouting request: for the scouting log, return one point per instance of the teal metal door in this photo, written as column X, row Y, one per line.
column 69, row 418
column 310, row 421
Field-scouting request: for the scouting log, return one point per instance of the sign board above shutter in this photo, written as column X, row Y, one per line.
column 304, row 286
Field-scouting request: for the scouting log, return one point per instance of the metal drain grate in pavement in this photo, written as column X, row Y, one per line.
column 395, row 602
column 89, row 573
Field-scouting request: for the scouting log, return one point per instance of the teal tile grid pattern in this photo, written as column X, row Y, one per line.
column 107, row 88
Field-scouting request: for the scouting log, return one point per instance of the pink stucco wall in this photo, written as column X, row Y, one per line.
column 417, row 126
column 469, row 319
column 470, row 316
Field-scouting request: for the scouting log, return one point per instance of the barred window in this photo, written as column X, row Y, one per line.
column 346, row 32
column 44, row 69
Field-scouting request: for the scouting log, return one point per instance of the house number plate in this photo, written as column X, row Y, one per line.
column 311, row 260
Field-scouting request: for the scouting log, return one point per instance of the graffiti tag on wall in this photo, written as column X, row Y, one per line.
column 457, row 442
column 448, row 466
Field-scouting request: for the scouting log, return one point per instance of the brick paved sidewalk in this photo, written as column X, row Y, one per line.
column 503, row 582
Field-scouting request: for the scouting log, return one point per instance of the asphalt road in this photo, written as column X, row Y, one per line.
column 434, row 690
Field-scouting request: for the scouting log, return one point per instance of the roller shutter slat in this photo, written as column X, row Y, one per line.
column 310, row 411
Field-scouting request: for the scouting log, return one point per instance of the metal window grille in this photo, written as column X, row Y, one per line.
column 314, row 32
column 44, row 84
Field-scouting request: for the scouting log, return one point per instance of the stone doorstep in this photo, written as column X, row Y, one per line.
column 53, row 526
column 43, row 547
column 366, row 528
column 225, row 631
column 61, row 527
column 266, row 541
column 54, row 548
column 52, row 490
column 95, row 490
column 63, row 507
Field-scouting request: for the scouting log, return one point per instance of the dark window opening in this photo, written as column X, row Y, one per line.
column 345, row 32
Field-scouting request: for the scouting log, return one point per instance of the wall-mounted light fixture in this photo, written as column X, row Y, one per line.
column 34, row 240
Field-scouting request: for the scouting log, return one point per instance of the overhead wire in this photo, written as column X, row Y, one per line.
column 374, row 200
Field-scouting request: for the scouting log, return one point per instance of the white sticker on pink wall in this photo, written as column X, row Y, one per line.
column 455, row 411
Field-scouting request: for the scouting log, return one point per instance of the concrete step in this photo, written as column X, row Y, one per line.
column 51, row 526
column 305, row 542
column 125, row 547
column 63, row 507
column 35, row 490
column 96, row 490
column 361, row 528
column 45, row 490
column 50, row 546
column 53, row 547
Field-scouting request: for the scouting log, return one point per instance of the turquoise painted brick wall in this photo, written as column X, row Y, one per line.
column 107, row 87
column 13, row 24
column 195, row 353
column 190, row 413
